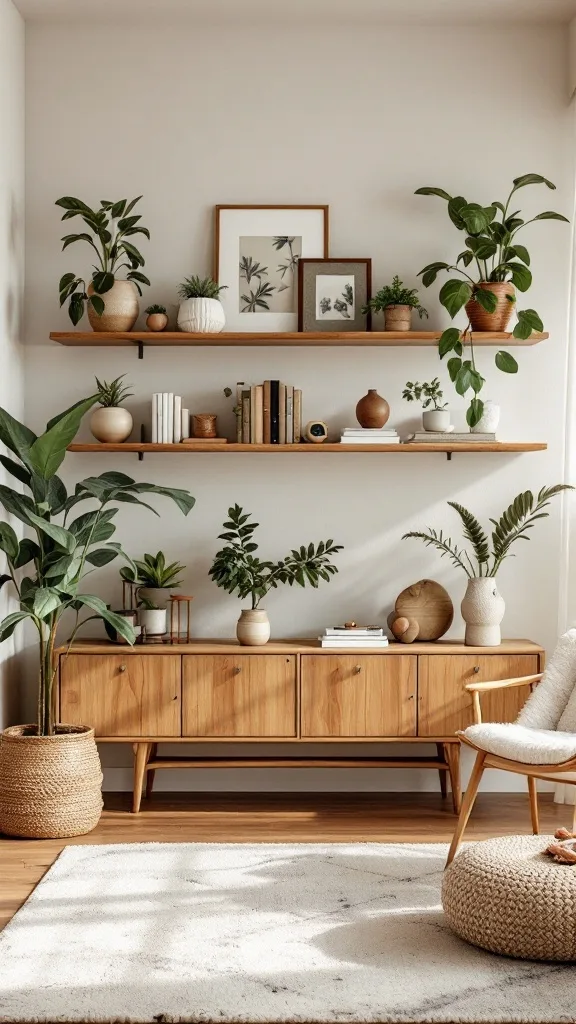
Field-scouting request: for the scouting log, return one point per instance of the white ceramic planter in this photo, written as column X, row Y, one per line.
column 153, row 621
column 253, row 629
column 111, row 424
column 121, row 308
column 436, row 419
column 489, row 420
column 483, row 609
column 201, row 316
column 158, row 596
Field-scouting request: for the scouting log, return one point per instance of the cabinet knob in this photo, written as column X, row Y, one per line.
column 357, row 669
column 122, row 668
column 476, row 669
column 237, row 669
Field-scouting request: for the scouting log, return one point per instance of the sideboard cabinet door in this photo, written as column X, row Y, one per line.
column 444, row 705
column 122, row 695
column 239, row 695
column 358, row 695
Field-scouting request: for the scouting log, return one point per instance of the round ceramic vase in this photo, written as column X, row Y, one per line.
column 437, row 420
column 253, row 629
column 156, row 321
column 121, row 308
column 201, row 316
column 372, row 411
column 483, row 609
column 111, row 424
column 488, row 422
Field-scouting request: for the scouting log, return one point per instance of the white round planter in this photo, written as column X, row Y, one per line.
column 490, row 419
column 483, row 609
column 121, row 308
column 253, row 629
column 436, row 419
column 153, row 621
column 201, row 316
column 158, row 596
column 111, row 424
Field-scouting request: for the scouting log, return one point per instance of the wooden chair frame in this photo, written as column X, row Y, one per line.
column 485, row 760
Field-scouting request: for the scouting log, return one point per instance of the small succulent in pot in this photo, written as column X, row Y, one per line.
column 201, row 311
column 112, row 424
column 397, row 303
column 157, row 317
column 153, row 579
column 111, row 228
column 430, row 394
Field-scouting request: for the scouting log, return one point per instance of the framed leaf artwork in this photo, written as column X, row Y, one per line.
column 257, row 252
column 332, row 294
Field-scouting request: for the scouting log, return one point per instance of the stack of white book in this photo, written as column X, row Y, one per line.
column 170, row 422
column 355, row 637
column 367, row 435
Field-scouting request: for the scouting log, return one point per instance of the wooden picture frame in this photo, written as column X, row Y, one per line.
column 331, row 312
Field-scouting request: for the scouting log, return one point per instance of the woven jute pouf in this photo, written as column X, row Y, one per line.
column 50, row 786
column 510, row 897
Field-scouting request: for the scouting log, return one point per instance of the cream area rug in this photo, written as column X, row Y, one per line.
column 259, row 933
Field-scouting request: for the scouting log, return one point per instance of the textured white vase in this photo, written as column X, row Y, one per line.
column 153, row 621
column 201, row 316
column 253, row 629
column 489, row 420
column 436, row 419
column 111, row 424
column 121, row 308
column 483, row 609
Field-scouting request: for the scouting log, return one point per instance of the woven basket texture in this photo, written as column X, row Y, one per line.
column 508, row 896
column 50, row 786
column 480, row 319
column 398, row 318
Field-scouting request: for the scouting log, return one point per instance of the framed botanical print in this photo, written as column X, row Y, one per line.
column 332, row 293
column 257, row 251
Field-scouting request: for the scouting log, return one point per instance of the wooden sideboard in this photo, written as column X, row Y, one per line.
column 289, row 692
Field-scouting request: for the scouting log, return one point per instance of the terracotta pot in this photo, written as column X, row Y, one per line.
column 156, row 321
column 483, row 610
column 489, row 420
column 204, row 424
column 372, row 411
column 111, row 424
column 437, row 420
column 253, row 628
column 50, row 786
column 121, row 308
column 201, row 316
column 398, row 318
column 480, row 320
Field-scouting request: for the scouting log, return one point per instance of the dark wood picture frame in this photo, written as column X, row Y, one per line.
column 327, row 261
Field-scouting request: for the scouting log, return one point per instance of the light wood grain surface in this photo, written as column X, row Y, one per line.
column 238, row 695
column 230, row 448
column 356, row 695
column 358, row 339
column 298, row 645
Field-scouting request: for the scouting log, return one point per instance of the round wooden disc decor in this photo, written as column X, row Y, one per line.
column 430, row 605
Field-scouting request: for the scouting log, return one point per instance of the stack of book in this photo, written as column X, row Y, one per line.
column 170, row 422
column 367, row 435
column 437, row 437
column 268, row 413
column 354, row 637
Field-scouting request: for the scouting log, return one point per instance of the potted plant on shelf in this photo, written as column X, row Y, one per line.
column 397, row 303
column 50, row 776
column 112, row 424
column 237, row 568
column 152, row 581
column 490, row 268
column 157, row 317
column 201, row 311
column 483, row 607
column 109, row 231
column 436, row 418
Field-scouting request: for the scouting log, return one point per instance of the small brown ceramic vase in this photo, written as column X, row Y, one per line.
column 204, row 424
column 156, row 321
column 372, row 411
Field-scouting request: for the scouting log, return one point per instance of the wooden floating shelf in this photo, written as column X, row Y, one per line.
column 350, row 339
column 310, row 449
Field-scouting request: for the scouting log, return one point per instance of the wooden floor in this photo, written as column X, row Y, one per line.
column 279, row 817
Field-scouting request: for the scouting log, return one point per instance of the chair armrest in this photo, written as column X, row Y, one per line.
column 500, row 684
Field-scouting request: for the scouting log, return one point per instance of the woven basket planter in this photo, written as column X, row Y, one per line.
column 480, row 319
column 50, row 786
column 398, row 318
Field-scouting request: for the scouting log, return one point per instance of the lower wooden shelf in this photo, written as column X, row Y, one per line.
column 446, row 447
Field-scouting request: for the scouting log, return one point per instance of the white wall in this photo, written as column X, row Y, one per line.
column 11, row 273
column 358, row 118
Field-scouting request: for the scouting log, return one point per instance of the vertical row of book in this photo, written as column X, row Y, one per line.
column 268, row 413
column 170, row 422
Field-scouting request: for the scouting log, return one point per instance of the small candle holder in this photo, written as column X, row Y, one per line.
column 180, row 609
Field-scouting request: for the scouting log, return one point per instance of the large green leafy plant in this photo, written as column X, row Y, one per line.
column 492, row 253
column 513, row 525
column 237, row 568
column 47, row 569
column 110, row 229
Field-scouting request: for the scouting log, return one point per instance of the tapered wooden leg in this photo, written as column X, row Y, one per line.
column 141, row 752
column 467, row 805
column 452, row 755
column 533, row 805
column 151, row 772
column 441, row 772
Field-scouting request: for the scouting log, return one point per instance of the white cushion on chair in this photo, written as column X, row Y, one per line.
column 546, row 706
column 517, row 743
